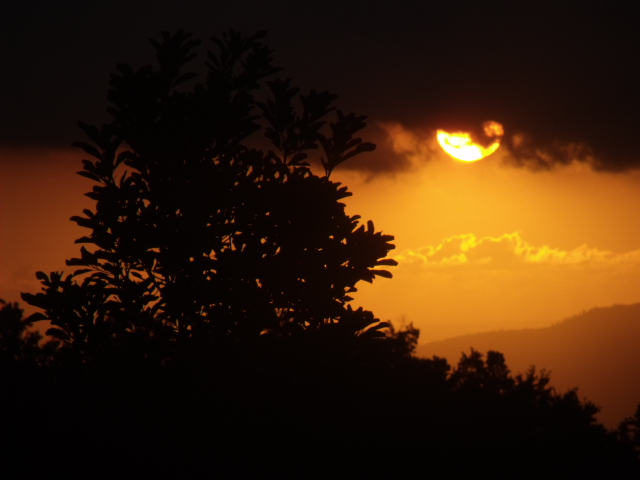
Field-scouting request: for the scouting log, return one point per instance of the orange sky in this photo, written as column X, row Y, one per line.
column 481, row 246
column 39, row 192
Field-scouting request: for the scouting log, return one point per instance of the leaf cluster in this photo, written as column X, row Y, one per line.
column 198, row 234
column 19, row 343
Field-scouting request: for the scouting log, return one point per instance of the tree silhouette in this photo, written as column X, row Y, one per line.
column 19, row 343
column 198, row 236
column 207, row 331
column 629, row 431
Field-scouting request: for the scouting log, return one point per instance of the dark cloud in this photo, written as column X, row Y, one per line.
column 562, row 77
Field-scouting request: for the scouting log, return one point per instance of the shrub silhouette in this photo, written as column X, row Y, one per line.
column 199, row 237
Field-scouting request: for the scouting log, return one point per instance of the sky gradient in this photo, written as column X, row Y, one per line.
column 544, row 228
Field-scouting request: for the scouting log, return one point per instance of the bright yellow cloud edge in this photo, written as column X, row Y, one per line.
column 507, row 248
column 460, row 145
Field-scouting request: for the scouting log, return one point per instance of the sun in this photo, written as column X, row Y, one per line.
column 462, row 146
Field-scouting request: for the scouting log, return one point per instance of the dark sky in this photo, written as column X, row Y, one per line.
column 553, row 72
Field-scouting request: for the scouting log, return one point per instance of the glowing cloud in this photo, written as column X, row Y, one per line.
column 507, row 249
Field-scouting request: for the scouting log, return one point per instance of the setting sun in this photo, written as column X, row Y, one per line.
column 461, row 145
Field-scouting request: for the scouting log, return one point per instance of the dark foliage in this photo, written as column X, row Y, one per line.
column 199, row 239
column 19, row 343
column 207, row 330
column 300, row 410
column 629, row 431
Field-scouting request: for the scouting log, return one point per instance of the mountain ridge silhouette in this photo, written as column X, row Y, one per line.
column 595, row 351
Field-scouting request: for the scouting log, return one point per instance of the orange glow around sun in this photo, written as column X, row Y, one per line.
column 460, row 145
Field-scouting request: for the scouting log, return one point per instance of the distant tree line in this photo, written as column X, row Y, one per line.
column 300, row 409
column 207, row 330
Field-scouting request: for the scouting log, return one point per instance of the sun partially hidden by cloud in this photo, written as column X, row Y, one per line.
column 519, row 149
column 464, row 146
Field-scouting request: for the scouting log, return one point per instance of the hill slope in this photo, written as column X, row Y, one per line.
column 597, row 351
